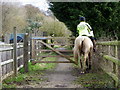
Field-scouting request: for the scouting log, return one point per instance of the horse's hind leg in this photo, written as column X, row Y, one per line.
column 76, row 56
column 87, row 62
column 84, row 62
column 81, row 63
column 90, row 61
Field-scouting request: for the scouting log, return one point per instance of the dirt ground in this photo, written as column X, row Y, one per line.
column 62, row 76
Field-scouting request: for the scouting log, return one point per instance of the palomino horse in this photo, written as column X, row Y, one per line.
column 83, row 47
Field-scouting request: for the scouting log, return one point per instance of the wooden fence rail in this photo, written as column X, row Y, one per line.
column 113, row 58
column 111, row 43
column 38, row 46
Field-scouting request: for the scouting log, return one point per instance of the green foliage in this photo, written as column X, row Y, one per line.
column 33, row 76
column 9, row 86
column 32, row 24
column 40, row 66
column 103, row 17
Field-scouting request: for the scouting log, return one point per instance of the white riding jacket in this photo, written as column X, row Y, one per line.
column 84, row 29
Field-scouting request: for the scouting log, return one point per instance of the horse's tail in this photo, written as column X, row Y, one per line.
column 77, row 47
column 79, row 42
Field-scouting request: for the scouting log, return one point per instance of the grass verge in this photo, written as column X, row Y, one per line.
column 95, row 80
column 34, row 76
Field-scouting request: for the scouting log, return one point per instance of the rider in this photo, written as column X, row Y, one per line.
column 84, row 29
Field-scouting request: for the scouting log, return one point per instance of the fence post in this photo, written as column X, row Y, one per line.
column 30, row 37
column 0, row 52
column 109, row 51
column 25, row 56
column 116, row 71
column 15, row 51
column 0, row 73
column 33, row 48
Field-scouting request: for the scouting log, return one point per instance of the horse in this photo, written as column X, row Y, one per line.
column 83, row 46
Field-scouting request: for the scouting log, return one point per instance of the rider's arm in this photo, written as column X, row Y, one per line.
column 91, row 33
column 90, row 29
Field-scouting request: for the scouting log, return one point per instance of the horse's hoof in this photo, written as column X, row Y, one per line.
column 82, row 72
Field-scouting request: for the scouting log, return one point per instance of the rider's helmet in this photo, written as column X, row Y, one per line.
column 82, row 18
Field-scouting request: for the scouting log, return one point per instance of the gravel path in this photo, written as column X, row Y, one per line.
column 61, row 77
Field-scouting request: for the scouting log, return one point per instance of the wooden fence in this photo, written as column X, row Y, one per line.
column 6, row 56
column 110, row 63
column 10, row 62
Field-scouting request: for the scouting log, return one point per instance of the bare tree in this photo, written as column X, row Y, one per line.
column 12, row 15
column 31, row 11
column 54, row 26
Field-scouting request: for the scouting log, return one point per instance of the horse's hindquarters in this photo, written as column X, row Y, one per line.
column 83, row 44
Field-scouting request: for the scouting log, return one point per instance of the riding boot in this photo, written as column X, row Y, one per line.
column 94, row 46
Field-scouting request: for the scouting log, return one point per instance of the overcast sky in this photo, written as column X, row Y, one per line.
column 42, row 4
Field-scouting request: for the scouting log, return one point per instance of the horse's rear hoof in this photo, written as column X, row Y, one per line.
column 82, row 72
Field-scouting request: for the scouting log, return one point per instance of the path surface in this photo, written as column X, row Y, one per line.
column 61, row 77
